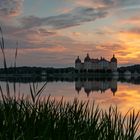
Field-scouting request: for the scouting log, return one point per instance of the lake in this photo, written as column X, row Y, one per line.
column 124, row 93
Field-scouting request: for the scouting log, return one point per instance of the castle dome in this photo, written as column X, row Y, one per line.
column 113, row 59
column 87, row 58
column 78, row 60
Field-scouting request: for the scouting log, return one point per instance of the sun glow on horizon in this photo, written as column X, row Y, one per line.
column 73, row 28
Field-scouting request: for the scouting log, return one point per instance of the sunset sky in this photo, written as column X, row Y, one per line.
column 55, row 32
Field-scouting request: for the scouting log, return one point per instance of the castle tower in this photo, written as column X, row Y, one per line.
column 113, row 63
column 78, row 64
column 87, row 63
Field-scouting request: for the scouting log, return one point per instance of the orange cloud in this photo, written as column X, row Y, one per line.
column 134, row 21
column 56, row 49
column 94, row 3
column 51, row 49
column 64, row 10
column 130, row 37
column 77, row 34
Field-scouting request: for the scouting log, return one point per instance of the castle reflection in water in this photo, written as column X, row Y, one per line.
column 96, row 86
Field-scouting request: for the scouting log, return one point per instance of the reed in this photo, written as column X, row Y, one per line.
column 60, row 120
column 2, row 46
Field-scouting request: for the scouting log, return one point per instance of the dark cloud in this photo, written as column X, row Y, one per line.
column 45, row 32
column 22, row 32
column 10, row 7
column 105, row 3
column 75, row 17
column 112, row 47
column 133, row 30
column 40, row 32
column 28, row 38
column 111, row 3
column 127, row 2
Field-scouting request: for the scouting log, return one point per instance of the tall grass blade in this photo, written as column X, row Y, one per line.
column 2, row 45
column 16, row 53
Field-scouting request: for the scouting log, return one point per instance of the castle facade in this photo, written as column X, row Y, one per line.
column 91, row 64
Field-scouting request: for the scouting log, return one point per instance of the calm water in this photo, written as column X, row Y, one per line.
column 125, row 95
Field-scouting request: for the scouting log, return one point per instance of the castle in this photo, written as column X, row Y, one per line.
column 91, row 64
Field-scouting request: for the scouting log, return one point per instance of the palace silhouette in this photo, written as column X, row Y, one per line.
column 91, row 64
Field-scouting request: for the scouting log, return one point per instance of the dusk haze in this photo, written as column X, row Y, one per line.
column 69, row 69
column 55, row 32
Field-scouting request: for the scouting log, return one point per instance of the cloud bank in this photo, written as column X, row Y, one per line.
column 10, row 7
column 75, row 17
column 108, row 3
column 50, row 39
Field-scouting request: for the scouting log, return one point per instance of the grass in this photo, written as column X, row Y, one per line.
column 60, row 120
column 24, row 119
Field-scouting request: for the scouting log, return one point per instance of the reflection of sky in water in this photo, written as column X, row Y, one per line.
column 126, row 97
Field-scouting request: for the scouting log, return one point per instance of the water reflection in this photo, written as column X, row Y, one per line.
column 81, row 85
column 96, row 86
column 127, row 92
